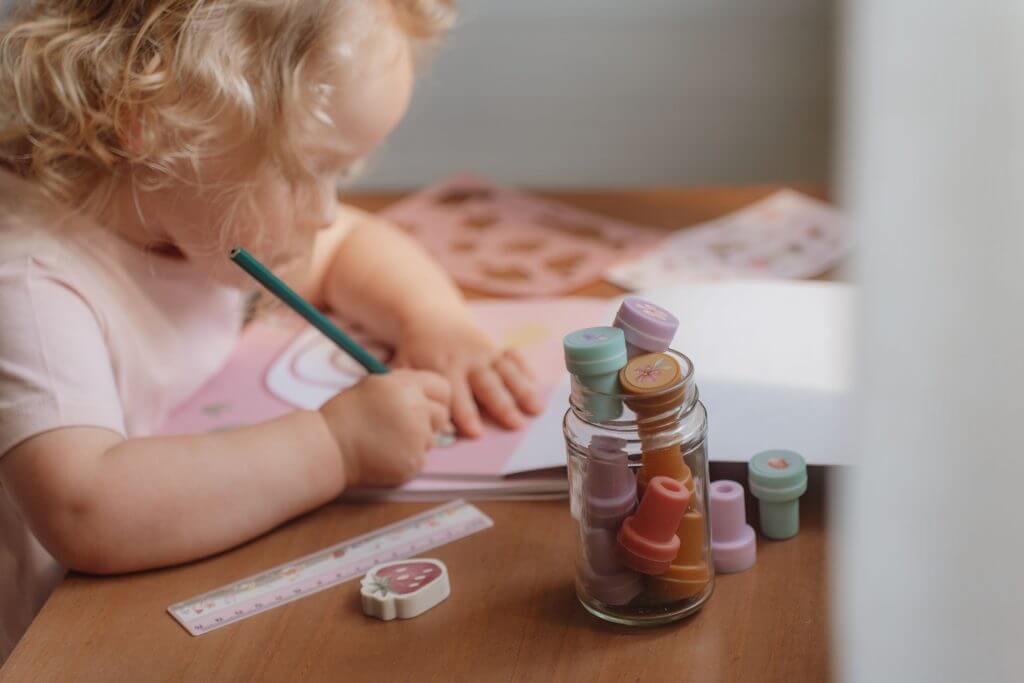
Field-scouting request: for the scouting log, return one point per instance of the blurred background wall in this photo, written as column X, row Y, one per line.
column 564, row 93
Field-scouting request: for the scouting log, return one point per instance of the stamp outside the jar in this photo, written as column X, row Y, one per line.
column 777, row 479
column 733, row 542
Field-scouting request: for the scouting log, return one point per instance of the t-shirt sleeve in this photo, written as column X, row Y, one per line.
column 55, row 368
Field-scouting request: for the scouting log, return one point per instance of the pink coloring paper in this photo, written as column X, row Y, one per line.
column 281, row 365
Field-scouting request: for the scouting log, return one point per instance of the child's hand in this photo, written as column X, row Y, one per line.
column 385, row 425
column 455, row 347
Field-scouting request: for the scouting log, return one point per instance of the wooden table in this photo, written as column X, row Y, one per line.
column 512, row 615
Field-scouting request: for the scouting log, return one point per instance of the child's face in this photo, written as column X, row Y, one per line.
column 367, row 99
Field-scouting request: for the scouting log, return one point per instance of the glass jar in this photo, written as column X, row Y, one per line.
column 616, row 444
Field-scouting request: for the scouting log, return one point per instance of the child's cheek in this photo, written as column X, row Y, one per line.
column 267, row 223
column 287, row 238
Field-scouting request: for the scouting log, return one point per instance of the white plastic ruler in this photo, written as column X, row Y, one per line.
column 328, row 567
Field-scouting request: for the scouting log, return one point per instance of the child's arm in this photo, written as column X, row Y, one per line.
column 381, row 278
column 384, row 280
column 104, row 504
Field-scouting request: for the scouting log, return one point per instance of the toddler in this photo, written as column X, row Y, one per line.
column 139, row 141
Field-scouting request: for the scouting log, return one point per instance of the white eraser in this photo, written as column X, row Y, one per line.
column 404, row 589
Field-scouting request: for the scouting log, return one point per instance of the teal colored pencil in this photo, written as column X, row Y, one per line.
column 290, row 297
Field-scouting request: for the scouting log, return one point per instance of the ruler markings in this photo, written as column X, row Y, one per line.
column 327, row 568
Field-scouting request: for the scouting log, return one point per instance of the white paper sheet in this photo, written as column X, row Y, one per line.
column 773, row 363
column 543, row 445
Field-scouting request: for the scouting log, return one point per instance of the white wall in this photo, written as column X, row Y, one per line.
column 622, row 92
column 931, row 547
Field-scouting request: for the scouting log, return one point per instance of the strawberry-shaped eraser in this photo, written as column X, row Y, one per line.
column 404, row 589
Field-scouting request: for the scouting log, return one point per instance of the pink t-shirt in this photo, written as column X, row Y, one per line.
column 93, row 331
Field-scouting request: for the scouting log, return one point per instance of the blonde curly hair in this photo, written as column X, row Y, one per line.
column 92, row 88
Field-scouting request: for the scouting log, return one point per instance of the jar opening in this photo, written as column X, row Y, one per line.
column 611, row 407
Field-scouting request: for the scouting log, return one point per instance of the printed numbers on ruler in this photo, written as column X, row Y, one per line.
column 329, row 567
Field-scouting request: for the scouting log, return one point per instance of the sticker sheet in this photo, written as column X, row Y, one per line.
column 500, row 241
column 786, row 235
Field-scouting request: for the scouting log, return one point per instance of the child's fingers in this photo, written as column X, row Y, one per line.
column 436, row 387
column 439, row 417
column 420, row 458
column 520, row 362
column 491, row 392
column 463, row 407
column 521, row 386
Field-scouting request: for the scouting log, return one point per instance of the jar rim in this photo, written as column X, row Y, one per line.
column 581, row 393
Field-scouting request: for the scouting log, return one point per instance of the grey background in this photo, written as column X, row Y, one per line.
column 565, row 93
